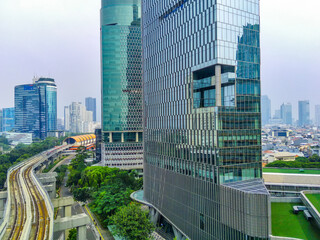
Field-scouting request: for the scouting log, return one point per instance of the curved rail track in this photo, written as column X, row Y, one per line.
column 29, row 211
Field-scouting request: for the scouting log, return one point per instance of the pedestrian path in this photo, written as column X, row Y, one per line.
column 104, row 234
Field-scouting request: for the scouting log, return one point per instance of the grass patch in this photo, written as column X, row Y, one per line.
column 315, row 200
column 286, row 170
column 287, row 224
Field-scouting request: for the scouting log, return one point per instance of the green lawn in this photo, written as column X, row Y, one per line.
column 286, row 170
column 315, row 200
column 287, row 224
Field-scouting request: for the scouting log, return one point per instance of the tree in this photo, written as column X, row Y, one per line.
column 82, row 194
column 302, row 159
column 132, row 223
column 314, row 158
column 22, row 152
column 73, row 233
column 108, row 200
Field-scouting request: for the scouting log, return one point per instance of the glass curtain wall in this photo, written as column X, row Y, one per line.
column 121, row 83
column 202, row 116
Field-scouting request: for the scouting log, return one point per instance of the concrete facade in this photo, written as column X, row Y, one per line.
column 66, row 204
column 310, row 179
column 78, row 221
column 48, row 180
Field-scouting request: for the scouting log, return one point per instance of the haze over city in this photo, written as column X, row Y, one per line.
column 60, row 39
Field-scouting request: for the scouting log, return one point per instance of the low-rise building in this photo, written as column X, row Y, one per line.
column 16, row 138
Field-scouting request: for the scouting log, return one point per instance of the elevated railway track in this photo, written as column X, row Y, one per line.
column 29, row 212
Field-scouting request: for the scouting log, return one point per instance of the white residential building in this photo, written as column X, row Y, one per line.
column 78, row 119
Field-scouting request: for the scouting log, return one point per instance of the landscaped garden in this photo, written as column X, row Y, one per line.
column 315, row 200
column 287, row 224
column 295, row 171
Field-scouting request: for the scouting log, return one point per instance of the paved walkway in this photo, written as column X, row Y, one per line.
column 104, row 234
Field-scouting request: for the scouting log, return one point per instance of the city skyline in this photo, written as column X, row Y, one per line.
column 79, row 63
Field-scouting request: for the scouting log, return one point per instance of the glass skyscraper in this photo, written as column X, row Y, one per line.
column 36, row 107
column 92, row 106
column 286, row 113
column 202, row 117
column 0, row 120
column 48, row 105
column 304, row 113
column 317, row 115
column 265, row 110
column 121, row 83
column 7, row 119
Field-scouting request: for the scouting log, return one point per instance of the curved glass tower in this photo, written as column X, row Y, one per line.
column 48, row 105
column 121, row 83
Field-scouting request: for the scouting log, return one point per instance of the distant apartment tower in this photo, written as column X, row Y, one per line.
column 304, row 113
column 60, row 124
column 202, row 120
column 286, row 113
column 121, row 65
column 317, row 115
column 36, row 107
column 91, row 105
column 80, row 120
column 265, row 109
column 66, row 118
column 7, row 121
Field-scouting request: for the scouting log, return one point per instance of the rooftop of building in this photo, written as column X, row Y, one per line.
column 284, row 154
column 314, row 198
column 291, row 171
column 287, row 224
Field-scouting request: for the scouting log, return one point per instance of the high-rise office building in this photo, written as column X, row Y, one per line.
column 36, row 107
column 202, row 122
column 265, row 109
column 0, row 120
column 48, row 105
column 121, row 84
column 286, row 113
column 317, row 115
column 91, row 105
column 7, row 119
column 304, row 113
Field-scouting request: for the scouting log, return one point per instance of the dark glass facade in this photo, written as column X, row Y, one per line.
column 201, row 65
column 36, row 107
column 121, row 83
column 91, row 105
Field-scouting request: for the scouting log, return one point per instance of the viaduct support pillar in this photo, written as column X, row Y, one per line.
column 67, row 213
column 82, row 233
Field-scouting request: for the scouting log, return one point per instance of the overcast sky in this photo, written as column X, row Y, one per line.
column 60, row 39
